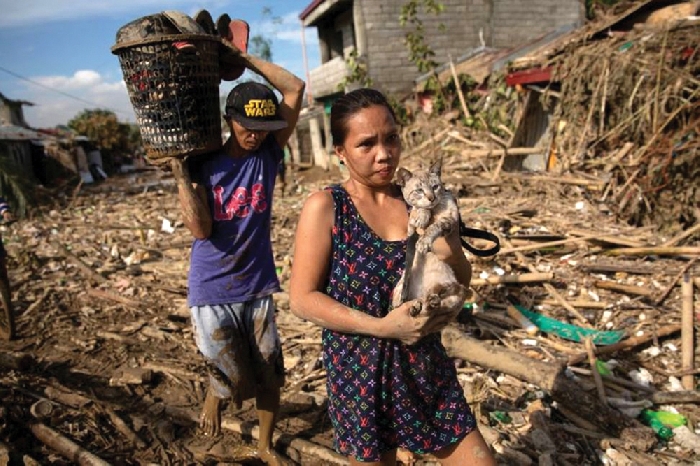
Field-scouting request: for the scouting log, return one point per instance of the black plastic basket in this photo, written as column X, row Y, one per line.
column 174, row 91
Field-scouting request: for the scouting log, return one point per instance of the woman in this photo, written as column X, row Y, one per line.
column 390, row 382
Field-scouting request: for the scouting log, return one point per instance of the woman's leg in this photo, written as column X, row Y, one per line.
column 471, row 450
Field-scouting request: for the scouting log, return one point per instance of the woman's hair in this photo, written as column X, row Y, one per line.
column 348, row 105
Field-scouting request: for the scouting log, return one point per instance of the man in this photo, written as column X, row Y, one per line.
column 225, row 199
column 7, row 321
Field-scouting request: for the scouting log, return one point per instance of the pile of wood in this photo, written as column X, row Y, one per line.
column 632, row 116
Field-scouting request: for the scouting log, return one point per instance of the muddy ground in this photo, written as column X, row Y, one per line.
column 99, row 285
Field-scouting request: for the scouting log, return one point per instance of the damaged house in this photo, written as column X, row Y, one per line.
column 370, row 32
column 17, row 140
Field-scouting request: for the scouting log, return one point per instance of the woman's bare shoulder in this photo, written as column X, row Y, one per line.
column 319, row 205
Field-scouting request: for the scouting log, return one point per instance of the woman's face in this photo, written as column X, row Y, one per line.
column 372, row 146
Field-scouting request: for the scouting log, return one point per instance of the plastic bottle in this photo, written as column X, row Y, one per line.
column 651, row 418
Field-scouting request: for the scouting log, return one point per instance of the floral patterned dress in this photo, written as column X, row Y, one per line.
column 382, row 393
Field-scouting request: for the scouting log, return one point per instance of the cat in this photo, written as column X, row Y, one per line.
column 434, row 212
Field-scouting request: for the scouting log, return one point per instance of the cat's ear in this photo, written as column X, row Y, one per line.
column 436, row 167
column 402, row 176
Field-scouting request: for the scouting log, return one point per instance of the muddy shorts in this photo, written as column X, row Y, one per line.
column 242, row 343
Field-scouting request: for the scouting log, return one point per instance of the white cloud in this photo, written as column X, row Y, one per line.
column 85, row 89
column 80, row 80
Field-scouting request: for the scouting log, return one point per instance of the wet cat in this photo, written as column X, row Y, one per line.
column 435, row 213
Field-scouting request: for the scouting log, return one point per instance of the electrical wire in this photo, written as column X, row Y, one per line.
column 18, row 76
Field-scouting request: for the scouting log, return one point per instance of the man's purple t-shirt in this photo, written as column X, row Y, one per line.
column 235, row 264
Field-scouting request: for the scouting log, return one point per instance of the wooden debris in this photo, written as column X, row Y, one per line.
column 550, row 377
column 670, row 398
column 65, row 447
column 628, row 343
column 513, row 279
column 131, row 376
column 594, row 370
column 687, row 332
column 655, row 251
column 325, row 455
column 627, row 289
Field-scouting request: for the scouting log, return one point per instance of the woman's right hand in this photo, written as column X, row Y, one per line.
column 399, row 324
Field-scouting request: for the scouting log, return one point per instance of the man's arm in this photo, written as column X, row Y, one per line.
column 193, row 201
column 291, row 88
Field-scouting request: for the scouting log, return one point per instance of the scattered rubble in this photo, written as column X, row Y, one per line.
column 578, row 349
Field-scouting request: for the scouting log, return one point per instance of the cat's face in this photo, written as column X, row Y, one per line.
column 422, row 189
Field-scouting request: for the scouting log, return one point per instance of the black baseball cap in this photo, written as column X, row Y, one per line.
column 254, row 106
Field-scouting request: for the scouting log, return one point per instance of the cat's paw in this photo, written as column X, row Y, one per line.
column 415, row 309
column 432, row 303
column 420, row 218
column 423, row 246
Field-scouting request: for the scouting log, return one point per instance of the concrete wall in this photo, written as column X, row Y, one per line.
column 499, row 23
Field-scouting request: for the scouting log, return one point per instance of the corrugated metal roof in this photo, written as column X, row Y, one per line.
column 18, row 133
column 309, row 9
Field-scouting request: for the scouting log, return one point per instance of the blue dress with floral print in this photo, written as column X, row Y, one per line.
column 382, row 393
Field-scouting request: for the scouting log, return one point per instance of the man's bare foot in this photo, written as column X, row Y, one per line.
column 210, row 419
column 270, row 457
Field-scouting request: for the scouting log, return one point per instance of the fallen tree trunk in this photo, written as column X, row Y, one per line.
column 552, row 378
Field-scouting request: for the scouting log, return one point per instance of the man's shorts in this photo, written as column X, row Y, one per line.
column 242, row 342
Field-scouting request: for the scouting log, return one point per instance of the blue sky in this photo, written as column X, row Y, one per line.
column 65, row 46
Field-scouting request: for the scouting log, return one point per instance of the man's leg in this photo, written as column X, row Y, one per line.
column 219, row 339
column 268, row 404
column 267, row 356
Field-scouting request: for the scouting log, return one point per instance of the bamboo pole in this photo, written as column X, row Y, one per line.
column 662, row 297
column 523, row 321
column 588, row 344
column 682, row 235
column 463, row 102
column 479, row 153
column 627, row 289
column 654, row 251
column 628, row 343
column 687, row 337
column 549, row 244
column 532, row 277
